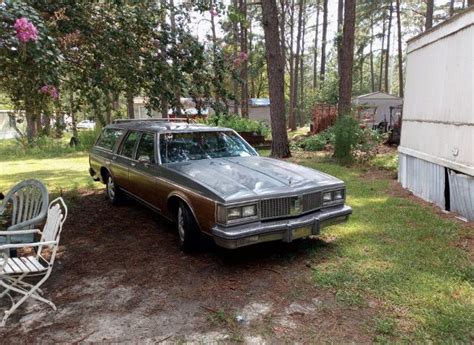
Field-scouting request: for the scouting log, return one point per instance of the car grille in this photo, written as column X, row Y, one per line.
column 290, row 206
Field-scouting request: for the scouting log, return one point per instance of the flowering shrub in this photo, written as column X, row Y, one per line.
column 50, row 90
column 25, row 30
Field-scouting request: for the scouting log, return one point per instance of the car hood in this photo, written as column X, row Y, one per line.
column 240, row 178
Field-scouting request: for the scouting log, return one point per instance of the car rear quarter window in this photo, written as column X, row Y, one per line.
column 109, row 137
column 128, row 146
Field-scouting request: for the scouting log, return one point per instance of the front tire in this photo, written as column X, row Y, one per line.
column 189, row 235
column 114, row 193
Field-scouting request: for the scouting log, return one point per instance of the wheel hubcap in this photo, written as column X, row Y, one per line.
column 181, row 224
column 111, row 188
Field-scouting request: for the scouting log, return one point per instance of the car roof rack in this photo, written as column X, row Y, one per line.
column 187, row 120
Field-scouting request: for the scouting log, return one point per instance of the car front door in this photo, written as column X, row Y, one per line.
column 142, row 175
column 124, row 160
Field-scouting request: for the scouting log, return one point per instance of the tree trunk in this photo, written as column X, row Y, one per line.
column 72, row 109
column 372, row 75
column 235, row 84
column 301, row 104
column 382, row 53
column 340, row 18
column 400, row 52
column 108, row 107
column 347, row 57
column 176, row 88
column 387, row 51
column 451, row 8
column 244, row 102
column 315, row 58
column 429, row 14
column 130, row 110
column 30, row 127
column 276, row 74
column 294, row 105
column 291, row 110
column 39, row 125
column 322, row 73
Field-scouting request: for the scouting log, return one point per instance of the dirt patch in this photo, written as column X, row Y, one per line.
column 120, row 276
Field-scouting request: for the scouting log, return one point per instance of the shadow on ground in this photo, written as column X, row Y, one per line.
column 120, row 276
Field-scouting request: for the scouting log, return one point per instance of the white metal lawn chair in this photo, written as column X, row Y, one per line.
column 27, row 204
column 39, row 264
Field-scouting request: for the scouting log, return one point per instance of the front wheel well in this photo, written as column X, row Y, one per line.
column 173, row 204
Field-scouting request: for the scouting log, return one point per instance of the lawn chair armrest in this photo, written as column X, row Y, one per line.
column 19, row 232
column 31, row 222
column 24, row 245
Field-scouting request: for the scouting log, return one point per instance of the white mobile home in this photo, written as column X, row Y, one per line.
column 437, row 141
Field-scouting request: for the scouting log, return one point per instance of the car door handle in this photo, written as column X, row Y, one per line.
column 133, row 164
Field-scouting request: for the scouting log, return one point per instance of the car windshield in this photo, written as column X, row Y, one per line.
column 179, row 147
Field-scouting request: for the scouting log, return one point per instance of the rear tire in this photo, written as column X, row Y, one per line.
column 189, row 235
column 114, row 193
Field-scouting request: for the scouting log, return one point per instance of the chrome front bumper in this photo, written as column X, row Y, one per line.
column 285, row 230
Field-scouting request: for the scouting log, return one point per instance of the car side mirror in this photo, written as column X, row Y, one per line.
column 144, row 159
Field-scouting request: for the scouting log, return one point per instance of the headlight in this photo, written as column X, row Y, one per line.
column 225, row 215
column 249, row 211
column 234, row 213
column 327, row 197
column 336, row 195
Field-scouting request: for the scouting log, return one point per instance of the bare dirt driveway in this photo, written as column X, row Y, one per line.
column 120, row 276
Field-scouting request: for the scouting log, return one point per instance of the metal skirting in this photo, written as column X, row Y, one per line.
column 461, row 189
column 424, row 179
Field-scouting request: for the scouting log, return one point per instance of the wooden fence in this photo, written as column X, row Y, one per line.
column 324, row 116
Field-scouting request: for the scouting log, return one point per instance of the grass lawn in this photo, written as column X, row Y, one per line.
column 396, row 254
column 59, row 166
column 400, row 254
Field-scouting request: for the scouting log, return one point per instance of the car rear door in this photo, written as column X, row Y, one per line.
column 124, row 160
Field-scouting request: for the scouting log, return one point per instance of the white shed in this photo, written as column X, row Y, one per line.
column 378, row 107
column 437, row 141
column 7, row 131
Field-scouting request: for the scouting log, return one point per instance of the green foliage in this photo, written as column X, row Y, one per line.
column 345, row 130
column 46, row 147
column 319, row 141
column 238, row 124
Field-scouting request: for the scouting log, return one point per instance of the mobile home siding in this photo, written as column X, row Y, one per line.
column 438, row 115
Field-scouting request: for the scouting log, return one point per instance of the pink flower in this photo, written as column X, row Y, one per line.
column 50, row 90
column 25, row 30
column 213, row 12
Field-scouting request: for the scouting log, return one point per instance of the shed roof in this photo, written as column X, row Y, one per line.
column 377, row 95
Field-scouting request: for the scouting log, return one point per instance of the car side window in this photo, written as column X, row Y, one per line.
column 109, row 137
column 128, row 146
column 146, row 147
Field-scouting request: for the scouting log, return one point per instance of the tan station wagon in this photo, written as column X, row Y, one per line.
column 213, row 183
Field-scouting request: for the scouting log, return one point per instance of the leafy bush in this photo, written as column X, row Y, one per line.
column 238, row 124
column 346, row 132
column 356, row 142
column 319, row 141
